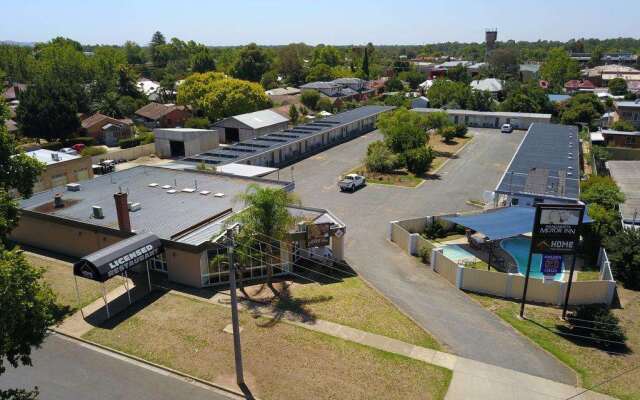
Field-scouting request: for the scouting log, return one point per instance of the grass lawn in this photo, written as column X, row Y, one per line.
column 280, row 360
column 589, row 275
column 59, row 275
column 592, row 364
column 402, row 177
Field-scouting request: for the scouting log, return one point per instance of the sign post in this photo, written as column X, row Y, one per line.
column 555, row 233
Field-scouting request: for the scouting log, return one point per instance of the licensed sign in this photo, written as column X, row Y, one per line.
column 318, row 234
column 551, row 264
column 555, row 229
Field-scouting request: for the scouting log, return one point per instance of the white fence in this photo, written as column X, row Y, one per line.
column 126, row 154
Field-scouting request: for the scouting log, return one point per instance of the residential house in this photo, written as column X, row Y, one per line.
column 11, row 93
column 474, row 69
column 629, row 111
column 613, row 138
column 327, row 88
column 529, row 72
column 602, row 74
column 579, row 85
column 107, row 130
column 147, row 86
column 491, row 85
column 156, row 115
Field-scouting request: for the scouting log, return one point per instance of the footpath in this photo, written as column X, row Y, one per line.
column 471, row 379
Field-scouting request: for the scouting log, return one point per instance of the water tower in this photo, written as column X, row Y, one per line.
column 491, row 37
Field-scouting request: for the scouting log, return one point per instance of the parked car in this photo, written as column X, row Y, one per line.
column 506, row 128
column 78, row 147
column 68, row 150
column 351, row 182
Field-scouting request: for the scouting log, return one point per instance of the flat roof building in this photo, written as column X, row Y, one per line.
column 545, row 168
column 185, row 210
column 61, row 169
column 184, row 142
column 490, row 119
column 250, row 125
column 627, row 176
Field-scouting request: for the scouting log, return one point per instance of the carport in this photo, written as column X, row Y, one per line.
column 117, row 259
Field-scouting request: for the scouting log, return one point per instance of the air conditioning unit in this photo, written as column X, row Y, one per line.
column 97, row 212
column 73, row 187
column 134, row 207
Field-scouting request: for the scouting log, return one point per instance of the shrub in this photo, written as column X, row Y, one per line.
column 379, row 158
column 147, row 138
column 624, row 254
column 54, row 146
column 130, row 142
column 622, row 125
column 435, row 230
column 310, row 98
column 419, row 160
column 596, row 321
column 93, row 151
column 324, row 104
column 424, row 252
column 86, row 140
column 460, row 130
column 197, row 123
column 447, row 133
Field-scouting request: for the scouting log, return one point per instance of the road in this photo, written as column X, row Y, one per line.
column 66, row 370
column 463, row 326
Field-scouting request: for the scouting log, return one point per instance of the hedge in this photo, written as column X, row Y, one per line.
column 93, row 151
column 128, row 143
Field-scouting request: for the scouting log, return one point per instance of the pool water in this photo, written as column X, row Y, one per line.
column 457, row 254
column 518, row 248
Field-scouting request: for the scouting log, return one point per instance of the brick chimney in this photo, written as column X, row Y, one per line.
column 122, row 208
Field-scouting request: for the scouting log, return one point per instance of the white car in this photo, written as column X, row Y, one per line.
column 351, row 182
column 506, row 128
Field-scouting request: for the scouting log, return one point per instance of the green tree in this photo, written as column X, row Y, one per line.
column 601, row 190
column 365, row 63
column 623, row 250
column 419, row 160
column 504, row 62
column 310, row 98
column 379, row 158
column 447, row 133
column 582, row 108
column 294, row 115
column 449, row 94
column 559, row 68
column 412, row 77
column 156, row 47
column 217, row 96
column 617, row 87
column 320, row 72
column 197, row 123
column 403, row 130
column 269, row 80
column 437, row 120
column 324, row 104
column 459, row 73
column 203, row 61
column 327, row 55
column 393, row 85
column 265, row 224
column 624, row 126
column 290, row 63
column 526, row 98
column 135, row 54
column 251, row 63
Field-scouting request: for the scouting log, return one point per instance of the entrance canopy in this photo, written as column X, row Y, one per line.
column 118, row 258
column 502, row 223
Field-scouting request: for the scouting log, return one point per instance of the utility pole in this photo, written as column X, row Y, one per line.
column 234, row 310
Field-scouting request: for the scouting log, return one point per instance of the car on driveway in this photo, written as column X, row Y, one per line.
column 351, row 182
column 506, row 128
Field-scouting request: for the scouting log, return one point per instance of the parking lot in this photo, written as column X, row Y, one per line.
column 455, row 320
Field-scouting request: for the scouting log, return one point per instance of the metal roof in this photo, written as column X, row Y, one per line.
column 488, row 85
column 47, row 156
column 484, row 113
column 162, row 213
column 621, row 133
column 627, row 176
column 262, row 144
column 628, row 103
column 257, row 119
column 546, row 164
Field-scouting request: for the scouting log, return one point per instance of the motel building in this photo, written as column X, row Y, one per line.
column 171, row 221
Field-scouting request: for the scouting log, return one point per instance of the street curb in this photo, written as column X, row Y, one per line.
column 152, row 364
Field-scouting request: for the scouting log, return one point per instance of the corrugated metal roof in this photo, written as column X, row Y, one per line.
column 546, row 164
column 258, row 119
column 627, row 176
column 484, row 113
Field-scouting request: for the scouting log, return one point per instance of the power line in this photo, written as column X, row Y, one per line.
column 603, row 382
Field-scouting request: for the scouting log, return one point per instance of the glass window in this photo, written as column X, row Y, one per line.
column 158, row 263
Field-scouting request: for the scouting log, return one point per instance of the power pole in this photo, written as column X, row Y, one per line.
column 234, row 310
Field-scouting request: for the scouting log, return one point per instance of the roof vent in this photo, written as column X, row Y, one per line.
column 73, row 187
column 134, row 207
column 205, row 192
column 55, row 156
column 57, row 201
column 166, row 186
column 97, row 212
column 188, row 190
column 218, row 194
column 171, row 191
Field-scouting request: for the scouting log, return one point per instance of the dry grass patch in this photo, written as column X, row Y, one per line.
column 353, row 303
column 59, row 275
column 280, row 360
column 593, row 365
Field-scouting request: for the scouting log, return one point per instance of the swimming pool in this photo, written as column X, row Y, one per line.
column 456, row 253
column 518, row 248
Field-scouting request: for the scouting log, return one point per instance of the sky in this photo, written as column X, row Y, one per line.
column 339, row 22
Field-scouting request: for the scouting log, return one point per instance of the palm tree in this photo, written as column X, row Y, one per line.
column 265, row 223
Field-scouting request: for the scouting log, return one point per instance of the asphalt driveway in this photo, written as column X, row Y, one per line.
column 462, row 325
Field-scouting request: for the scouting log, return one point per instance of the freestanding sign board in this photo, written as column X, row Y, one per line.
column 318, row 234
column 555, row 233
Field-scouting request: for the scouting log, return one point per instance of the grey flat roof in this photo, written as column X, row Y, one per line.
column 484, row 113
column 628, row 103
column 622, row 133
column 162, row 213
column 546, row 163
column 627, row 176
column 257, row 119
column 253, row 147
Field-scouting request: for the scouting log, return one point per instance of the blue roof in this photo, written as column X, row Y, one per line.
column 501, row 223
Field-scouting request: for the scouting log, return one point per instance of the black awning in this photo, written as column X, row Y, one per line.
column 117, row 258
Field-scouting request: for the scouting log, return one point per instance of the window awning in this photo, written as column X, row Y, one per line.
column 117, row 258
column 502, row 223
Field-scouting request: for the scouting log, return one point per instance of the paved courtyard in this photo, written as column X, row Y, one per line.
column 463, row 326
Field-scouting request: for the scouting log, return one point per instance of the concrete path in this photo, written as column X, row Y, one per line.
column 460, row 324
column 472, row 380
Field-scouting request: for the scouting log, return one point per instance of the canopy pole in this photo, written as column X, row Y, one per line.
column 104, row 297
column 126, row 285
column 75, row 278
column 148, row 276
